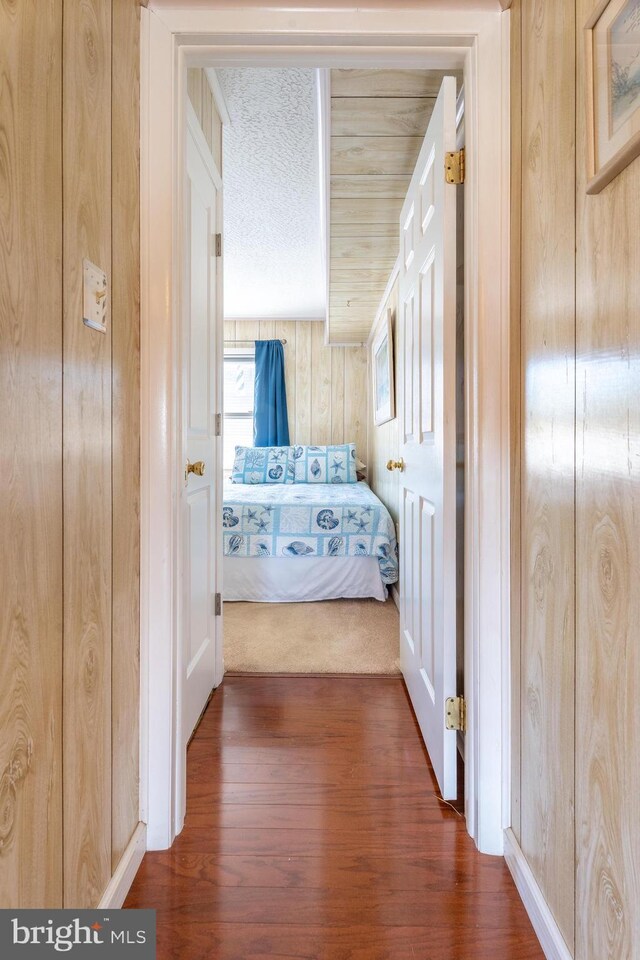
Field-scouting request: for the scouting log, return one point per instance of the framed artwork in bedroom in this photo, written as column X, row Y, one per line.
column 384, row 405
column 613, row 89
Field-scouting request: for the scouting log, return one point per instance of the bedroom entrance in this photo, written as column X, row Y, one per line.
column 379, row 338
column 359, row 382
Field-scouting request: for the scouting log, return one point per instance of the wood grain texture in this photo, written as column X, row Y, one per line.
column 384, row 440
column 356, row 397
column 319, row 859
column 201, row 97
column 390, row 187
column 320, row 386
column 547, row 477
column 86, row 457
column 380, row 116
column 386, row 83
column 607, row 554
column 354, row 156
column 515, row 374
column 31, row 461
column 337, row 395
column 367, row 210
column 125, row 386
column 378, row 121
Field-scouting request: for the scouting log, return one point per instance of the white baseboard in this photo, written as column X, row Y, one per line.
column 124, row 874
column 395, row 595
column 553, row 944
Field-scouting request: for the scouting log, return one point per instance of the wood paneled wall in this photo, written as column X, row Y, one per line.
column 327, row 387
column 202, row 101
column 547, row 504
column 31, row 461
column 384, row 440
column 578, row 498
column 70, row 562
column 125, row 391
column 607, row 552
column 378, row 122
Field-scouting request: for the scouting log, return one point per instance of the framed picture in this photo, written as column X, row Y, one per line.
column 384, row 406
column 613, row 95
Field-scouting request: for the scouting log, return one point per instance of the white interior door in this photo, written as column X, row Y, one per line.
column 427, row 407
column 200, row 509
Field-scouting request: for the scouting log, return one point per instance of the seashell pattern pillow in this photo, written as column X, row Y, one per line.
column 263, row 465
column 328, row 464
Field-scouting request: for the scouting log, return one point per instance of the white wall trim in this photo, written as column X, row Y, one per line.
column 124, row 874
column 551, row 940
column 410, row 39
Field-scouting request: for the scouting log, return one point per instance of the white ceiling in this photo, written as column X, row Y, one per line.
column 273, row 258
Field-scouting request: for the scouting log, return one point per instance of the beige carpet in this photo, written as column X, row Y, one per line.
column 334, row 636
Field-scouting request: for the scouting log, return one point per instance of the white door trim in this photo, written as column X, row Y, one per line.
column 443, row 39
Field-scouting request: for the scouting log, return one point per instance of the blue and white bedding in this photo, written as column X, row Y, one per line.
column 305, row 520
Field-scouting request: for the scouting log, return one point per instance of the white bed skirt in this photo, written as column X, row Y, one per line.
column 298, row 579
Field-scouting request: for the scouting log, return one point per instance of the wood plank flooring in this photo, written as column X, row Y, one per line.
column 314, row 831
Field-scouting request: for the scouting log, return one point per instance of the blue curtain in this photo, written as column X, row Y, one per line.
column 270, row 420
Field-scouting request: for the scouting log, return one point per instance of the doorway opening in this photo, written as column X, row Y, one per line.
column 166, row 38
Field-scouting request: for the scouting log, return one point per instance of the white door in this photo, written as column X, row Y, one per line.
column 201, row 487
column 427, row 407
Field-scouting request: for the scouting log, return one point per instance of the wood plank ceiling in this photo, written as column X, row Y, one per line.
column 378, row 121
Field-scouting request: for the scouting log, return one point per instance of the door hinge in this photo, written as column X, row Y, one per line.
column 454, row 166
column 218, row 244
column 217, row 606
column 218, row 425
column 455, row 713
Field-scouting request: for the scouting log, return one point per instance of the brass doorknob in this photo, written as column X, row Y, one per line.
column 395, row 464
column 197, row 468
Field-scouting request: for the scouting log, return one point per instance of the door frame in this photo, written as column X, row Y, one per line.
column 476, row 41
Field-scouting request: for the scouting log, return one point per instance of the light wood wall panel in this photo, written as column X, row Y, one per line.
column 86, row 458
column 579, row 281
column 546, row 829
column 608, row 553
column 515, row 361
column 31, row 460
column 356, row 397
column 386, row 83
column 70, row 551
column 327, row 387
column 125, row 385
column 201, row 97
column 378, row 121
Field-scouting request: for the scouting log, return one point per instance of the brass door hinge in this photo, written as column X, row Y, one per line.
column 218, row 425
column 454, row 166
column 455, row 713
column 218, row 605
column 218, row 244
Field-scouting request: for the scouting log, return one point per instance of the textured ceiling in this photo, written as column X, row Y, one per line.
column 273, row 262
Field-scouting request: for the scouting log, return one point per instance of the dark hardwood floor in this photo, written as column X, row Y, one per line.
column 314, row 831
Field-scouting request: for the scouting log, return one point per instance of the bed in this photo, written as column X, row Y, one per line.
column 306, row 541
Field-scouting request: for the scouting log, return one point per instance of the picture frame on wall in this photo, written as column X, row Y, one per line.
column 613, row 94
column 384, row 405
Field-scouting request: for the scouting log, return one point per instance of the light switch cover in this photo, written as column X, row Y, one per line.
column 94, row 313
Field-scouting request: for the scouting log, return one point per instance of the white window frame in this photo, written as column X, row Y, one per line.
column 237, row 353
column 467, row 35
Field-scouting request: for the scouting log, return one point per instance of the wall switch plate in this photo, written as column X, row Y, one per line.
column 94, row 308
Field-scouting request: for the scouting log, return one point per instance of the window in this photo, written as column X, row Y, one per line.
column 239, row 375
